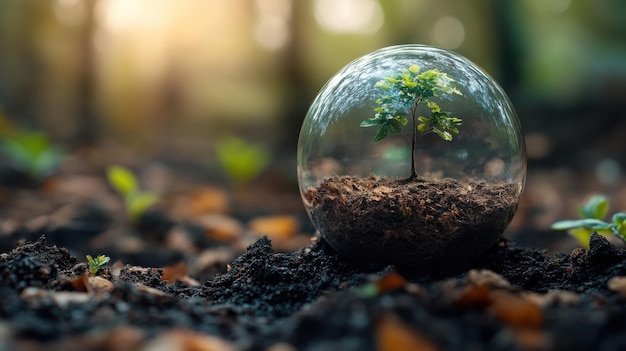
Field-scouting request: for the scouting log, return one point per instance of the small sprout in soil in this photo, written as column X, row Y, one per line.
column 31, row 152
column 96, row 264
column 240, row 160
column 125, row 182
column 592, row 220
column 407, row 91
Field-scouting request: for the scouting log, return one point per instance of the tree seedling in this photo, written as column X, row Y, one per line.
column 592, row 220
column 95, row 264
column 406, row 91
column 242, row 161
column 125, row 183
column 31, row 152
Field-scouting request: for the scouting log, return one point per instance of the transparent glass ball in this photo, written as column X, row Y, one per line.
column 362, row 195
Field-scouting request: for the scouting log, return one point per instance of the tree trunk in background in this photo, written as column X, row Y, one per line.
column 299, row 96
column 86, row 113
column 510, row 45
column 19, row 59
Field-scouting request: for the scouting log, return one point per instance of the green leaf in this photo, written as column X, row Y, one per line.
column 619, row 225
column 369, row 123
column 102, row 260
column 404, row 92
column 90, row 259
column 619, row 219
column 139, row 202
column 242, row 161
column 445, row 135
column 381, row 133
column 395, row 126
column 590, row 223
column 122, row 180
column 596, row 207
column 32, row 153
column 402, row 120
column 97, row 263
column 433, row 106
column 45, row 163
column 583, row 235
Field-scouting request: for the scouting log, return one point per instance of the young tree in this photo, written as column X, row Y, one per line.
column 406, row 92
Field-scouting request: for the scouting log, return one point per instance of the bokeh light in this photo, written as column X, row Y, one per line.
column 349, row 16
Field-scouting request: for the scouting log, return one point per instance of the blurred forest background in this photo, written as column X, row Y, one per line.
column 167, row 78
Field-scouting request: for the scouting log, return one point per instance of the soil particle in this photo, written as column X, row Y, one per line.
column 420, row 225
column 34, row 265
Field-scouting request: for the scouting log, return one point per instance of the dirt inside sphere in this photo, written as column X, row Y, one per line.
column 420, row 224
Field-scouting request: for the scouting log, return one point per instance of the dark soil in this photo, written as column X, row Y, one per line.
column 416, row 224
column 197, row 273
column 510, row 299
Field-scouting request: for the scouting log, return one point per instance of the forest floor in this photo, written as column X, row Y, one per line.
column 214, row 269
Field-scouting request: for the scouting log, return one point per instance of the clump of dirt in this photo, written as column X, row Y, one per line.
column 511, row 298
column 417, row 224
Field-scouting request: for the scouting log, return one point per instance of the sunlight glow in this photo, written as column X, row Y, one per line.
column 349, row 16
column 448, row 32
column 69, row 12
column 271, row 29
column 120, row 15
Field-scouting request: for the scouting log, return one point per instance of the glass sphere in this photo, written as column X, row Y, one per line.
column 411, row 155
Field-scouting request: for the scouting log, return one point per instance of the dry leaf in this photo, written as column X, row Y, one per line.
column 220, row 227
column 389, row 282
column 174, row 273
column 208, row 200
column 275, row 227
column 474, row 296
column 99, row 286
column 515, row 311
column 178, row 273
column 393, row 335
column 81, row 283
column 185, row 340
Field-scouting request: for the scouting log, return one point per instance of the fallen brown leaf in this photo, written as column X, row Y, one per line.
column 515, row 311
column 393, row 335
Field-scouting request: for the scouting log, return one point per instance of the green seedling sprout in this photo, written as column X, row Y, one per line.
column 31, row 152
column 406, row 92
column 125, row 183
column 242, row 161
column 96, row 264
column 592, row 220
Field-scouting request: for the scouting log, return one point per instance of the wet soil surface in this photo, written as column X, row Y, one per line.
column 313, row 299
